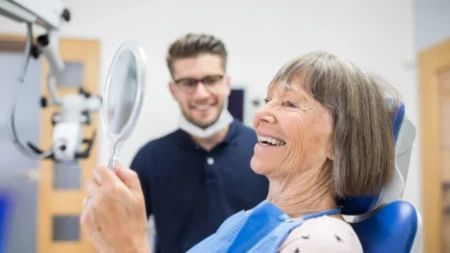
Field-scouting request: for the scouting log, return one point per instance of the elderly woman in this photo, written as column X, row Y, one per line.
column 324, row 133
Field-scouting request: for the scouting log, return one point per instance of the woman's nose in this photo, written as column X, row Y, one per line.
column 264, row 114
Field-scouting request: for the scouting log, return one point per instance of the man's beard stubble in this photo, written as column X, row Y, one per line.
column 198, row 124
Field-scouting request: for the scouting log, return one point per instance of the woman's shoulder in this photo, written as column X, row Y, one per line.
column 323, row 234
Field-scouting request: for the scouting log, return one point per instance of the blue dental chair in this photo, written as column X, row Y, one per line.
column 385, row 223
column 5, row 209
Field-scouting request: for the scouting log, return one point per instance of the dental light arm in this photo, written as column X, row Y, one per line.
column 76, row 109
column 45, row 13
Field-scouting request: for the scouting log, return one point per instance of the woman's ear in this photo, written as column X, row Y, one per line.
column 330, row 155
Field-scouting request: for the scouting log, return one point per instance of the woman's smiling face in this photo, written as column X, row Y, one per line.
column 294, row 132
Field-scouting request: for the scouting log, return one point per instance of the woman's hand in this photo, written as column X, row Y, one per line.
column 114, row 216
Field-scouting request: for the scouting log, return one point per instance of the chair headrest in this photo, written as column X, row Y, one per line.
column 404, row 135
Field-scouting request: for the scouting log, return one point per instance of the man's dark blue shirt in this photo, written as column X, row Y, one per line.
column 191, row 191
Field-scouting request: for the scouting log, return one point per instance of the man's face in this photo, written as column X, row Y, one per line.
column 200, row 87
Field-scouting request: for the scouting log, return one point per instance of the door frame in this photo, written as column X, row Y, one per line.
column 431, row 61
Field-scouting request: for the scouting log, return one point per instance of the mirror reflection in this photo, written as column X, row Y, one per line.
column 122, row 91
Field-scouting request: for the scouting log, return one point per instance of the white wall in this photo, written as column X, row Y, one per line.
column 260, row 36
column 431, row 22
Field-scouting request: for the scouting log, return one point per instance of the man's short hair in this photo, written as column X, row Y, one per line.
column 193, row 45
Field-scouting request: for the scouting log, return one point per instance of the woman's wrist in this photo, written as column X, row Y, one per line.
column 138, row 247
column 143, row 248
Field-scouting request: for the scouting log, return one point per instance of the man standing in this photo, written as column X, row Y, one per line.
column 199, row 175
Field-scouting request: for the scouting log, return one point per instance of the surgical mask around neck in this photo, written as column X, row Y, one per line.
column 225, row 119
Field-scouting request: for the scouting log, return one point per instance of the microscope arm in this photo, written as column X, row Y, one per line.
column 75, row 110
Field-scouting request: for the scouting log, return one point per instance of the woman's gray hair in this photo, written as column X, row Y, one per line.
column 363, row 141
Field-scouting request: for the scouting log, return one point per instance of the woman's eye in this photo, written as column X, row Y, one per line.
column 266, row 100
column 290, row 104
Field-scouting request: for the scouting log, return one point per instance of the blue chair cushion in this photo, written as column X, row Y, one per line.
column 398, row 120
column 392, row 229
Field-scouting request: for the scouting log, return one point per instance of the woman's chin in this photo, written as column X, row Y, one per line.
column 258, row 166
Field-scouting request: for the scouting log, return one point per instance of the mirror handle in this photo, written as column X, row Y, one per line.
column 112, row 163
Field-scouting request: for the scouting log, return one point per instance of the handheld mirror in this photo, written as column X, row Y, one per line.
column 123, row 95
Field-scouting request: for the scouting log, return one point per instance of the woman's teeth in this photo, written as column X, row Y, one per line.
column 270, row 141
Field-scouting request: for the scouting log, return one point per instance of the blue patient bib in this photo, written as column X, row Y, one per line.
column 263, row 229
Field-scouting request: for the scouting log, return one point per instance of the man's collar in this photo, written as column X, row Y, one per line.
column 186, row 141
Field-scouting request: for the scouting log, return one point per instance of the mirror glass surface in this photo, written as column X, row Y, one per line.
column 122, row 92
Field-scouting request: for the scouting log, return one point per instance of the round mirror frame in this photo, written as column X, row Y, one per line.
column 141, row 63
